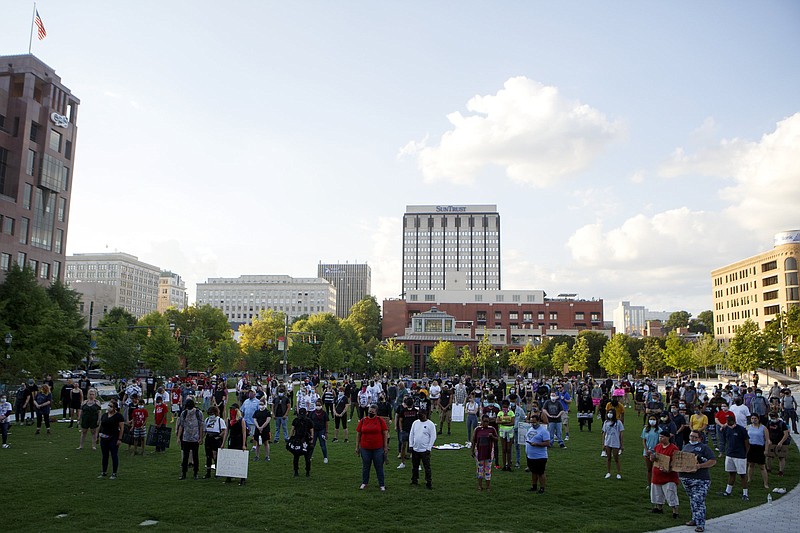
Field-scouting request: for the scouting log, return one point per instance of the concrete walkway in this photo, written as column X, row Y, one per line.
column 780, row 515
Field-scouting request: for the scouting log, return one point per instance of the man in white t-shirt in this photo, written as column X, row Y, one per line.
column 420, row 441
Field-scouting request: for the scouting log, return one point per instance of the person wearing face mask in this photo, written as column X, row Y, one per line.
column 372, row 444
column 505, row 421
column 537, row 441
column 420, row 440
column 280, row 409
column 664, row 485
column 613, row 442
column 364, row 397
column 697, row 483
column 5, row 413
column 262, row 435
column 720, row 420
column 740, row 411
column 650, row 435
column 483, row 444
column 585, row 409
column 756, row 458
column 778, row 438
column 189, row 431
column 301, row 441
column 215, row 430
column 404, row 419
column 616, row 405
column 111, row 427
column 759, row 406
column 519, row 416
column 737, row 444
column 319, row 419
column 681, row 424
column 340, row 414
column 554, row 410
column 472, row 410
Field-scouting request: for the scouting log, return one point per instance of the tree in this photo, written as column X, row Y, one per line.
column 365, row 315
column 615, row 358
column 706, row 352
column 596, row 341
column 159, row 347
column 579, row 360
column 393, row 355
column 748, row 348
column 75, row 337
column 707, row 318
column 117, row 348
column 526, row 359
column 444, row 356
column 484, row 353
column 226, row 355
column 678, row 319
column 331, row 354
column 263, row 332
column 678, row 354
column 117, row 314
column 651, row 357
column 560, row 357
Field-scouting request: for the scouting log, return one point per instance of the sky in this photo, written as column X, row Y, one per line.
column 630, row 147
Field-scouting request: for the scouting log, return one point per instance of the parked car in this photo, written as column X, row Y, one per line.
column 97, row 373
column 298, row 376
column 65, row 374
column 106, row 390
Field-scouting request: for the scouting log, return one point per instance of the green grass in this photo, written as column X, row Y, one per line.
column 56, row 479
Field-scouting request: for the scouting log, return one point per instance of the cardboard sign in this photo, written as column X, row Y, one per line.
column 232, row 463
column 458, row 413
column 681, row 462
column 158, row 436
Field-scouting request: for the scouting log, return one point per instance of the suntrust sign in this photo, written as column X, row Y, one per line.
column 787, row 237
column 451, row 208
column 59, row 120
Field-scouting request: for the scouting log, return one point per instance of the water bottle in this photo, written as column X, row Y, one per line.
column 769, row 498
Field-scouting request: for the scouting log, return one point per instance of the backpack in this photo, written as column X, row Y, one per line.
column 191, row 426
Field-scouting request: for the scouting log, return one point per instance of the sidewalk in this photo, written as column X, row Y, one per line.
column 781, row 515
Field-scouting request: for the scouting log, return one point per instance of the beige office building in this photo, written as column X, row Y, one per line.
column 758, row 288
column 172, row 292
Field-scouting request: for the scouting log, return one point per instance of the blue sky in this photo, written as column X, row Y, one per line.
column 630, row 147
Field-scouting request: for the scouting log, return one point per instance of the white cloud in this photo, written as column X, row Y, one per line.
column 386, row 264
column 536, row 135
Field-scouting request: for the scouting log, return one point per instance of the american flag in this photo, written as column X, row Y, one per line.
column 39, row 26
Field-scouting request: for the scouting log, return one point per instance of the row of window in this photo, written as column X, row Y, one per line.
column 40, row 268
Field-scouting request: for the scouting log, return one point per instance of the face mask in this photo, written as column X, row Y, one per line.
column 651, row 422
column 513, row 404
column 554, row 398
column 758, row 395
column 682, row 405
column 724, row 407
column 319, row 408
column 674, row 411
column 535, row 424
column 372, row 415
column 609, row 416
column 280, row 394
column 262, row 407
column 2, row 399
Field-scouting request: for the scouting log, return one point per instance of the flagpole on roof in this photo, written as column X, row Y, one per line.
column 33, row 16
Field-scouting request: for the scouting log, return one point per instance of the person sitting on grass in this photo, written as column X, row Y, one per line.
column 483, row 442
column 612, row 442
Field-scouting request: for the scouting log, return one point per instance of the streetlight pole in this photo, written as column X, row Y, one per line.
column 8, row 340
column 285, row 341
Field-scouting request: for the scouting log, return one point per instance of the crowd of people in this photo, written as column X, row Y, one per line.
column 504, row 421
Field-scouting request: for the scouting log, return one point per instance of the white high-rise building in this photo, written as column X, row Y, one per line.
column 242, row 298
column 451, row 247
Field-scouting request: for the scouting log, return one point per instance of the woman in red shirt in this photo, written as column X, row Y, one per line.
column 372, row 443
column 664, row 484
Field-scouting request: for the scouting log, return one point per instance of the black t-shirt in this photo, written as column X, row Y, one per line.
column 281, row 405
column 552, row 408
column 109, row 425
column 319, row 419
column 65, row 392
column 219, row 396
column 407, row 417
column 776, row 429
column 444, row 398
column 302, row 428
column 261, row 417
column 340, row 407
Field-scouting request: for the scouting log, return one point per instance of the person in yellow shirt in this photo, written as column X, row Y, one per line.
column 699, row 422
column 505, row 425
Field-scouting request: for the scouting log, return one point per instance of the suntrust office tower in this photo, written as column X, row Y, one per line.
column 451, row 247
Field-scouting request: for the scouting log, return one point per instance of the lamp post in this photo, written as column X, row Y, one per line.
column 8, row 340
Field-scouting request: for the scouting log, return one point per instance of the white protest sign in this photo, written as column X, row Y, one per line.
column 232, row 463
column 522, row 431
column 458, row 412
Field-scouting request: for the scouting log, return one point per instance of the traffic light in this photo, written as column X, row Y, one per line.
column 149, row 332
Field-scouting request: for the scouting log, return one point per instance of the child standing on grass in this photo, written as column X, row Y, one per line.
column 139, row 418
column 612, row 441
column 160, row 412
column 483, row 441
column 5, row 412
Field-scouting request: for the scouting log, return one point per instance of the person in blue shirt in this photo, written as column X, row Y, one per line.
column 249, row 408
column 566, row 400
column 537, row 440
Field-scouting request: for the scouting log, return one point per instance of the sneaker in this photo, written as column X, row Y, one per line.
column 9, row 446
column 420, row 468
column 619, row 476
column 255, row 458
column 562, row 445
column 113, row 476
column 566, row 438
column 325, row 460
column 398, row 456
column 608, row 476
column 745, row 498
column 401, row 466
column 541, row 490
column 102, row 475
column 267, row 459
column 334, row 439
column 725, row 494
column 603, row 453
column 362, row 487
column 383, row 489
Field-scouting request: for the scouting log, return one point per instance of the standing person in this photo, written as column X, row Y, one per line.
column 160, row 412
column 190, row 434
column 519, row 416
column 403, row 420
column 537, row 441
column 554, row 410
column 150, row 389
column 505, row 422
column 472, row 410
column 89, row 418
column 319, row 421
column 208, row 394
column 21, row 403
column 262, row 435
column 280, row 409
column 215, row 430
column 111, row 428
column 585, row 409
column 650, row 437
column 483, row 444
column 249, row 408
column 789, row 409
column 5, row 413
column 42, row 401
column 76, row 398
column 352, row 393
column 363, row 401
column 301, row 441
column 372, row 444
column 340, row 414
column 778, row 437
column 30, row 395
column 329, row 398
column 176, row 399
column 445, row 408
column 696, row 484
column 756, row 456
column 66, row 390
column 664, row 485
column 220, row 397
column 237, row 433
column 613, row 442
column 420, row 440
column 737, row 444
column 139, row 418
column 435, row 394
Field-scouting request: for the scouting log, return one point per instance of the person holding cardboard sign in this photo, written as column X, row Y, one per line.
column 664, row 485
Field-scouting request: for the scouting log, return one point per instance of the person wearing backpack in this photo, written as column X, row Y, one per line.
column 190, row 434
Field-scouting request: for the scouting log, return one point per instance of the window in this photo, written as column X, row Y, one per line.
column 5, row 262
column 498, row 315
column 579, row 316
column 430, row 297
column 59, row 240
column 23, row 230
column 766, row 267
column 513, row 315
column 31, row 162
column 479, row 297
column 790, row 264
column 793, row 293
column 595, row 317
column 51, row 173
column 34, row 264
column 531, row 298
column 411, row 298
column 527, row 316
column 62, row 210
column 34, row 132
column 44, row 270
column 499, row 297
column 480, row 316
column 55, row 141
column 21, row 259
column 553, row 315
column 418, row 326
column 64, row 178
column 515, row 298
column 791, row 278
column 68, row 150
column 771, row 295
column 8, row 225
column 448, row 326
column 3, row 168
column 772, row 310
column 772, row 280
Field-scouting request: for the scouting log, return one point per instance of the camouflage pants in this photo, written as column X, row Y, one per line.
column 696, row 490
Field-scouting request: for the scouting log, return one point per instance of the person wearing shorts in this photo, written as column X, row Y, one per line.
column 483, row 441
column 505, row 421
column 537, row 441
column 737, row 444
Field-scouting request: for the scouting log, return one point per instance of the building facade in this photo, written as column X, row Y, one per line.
column 352, row 281
column 242, row 299
column 38, row 131
column 451, row 247
column 509, row 319
column 172, row 292
column 757, row 288
column 111, row 280
column 632, row 319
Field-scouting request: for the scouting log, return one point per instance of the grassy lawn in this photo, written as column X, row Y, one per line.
column 56, row 479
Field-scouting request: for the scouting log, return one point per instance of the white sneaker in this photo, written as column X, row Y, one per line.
column 608, row 476
column 420, row 468
column 325, row 460
column 6, row 446
column 362, row 487
column 619, row 476
column 566, row 438
column 603, row 453
column 401, row 466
